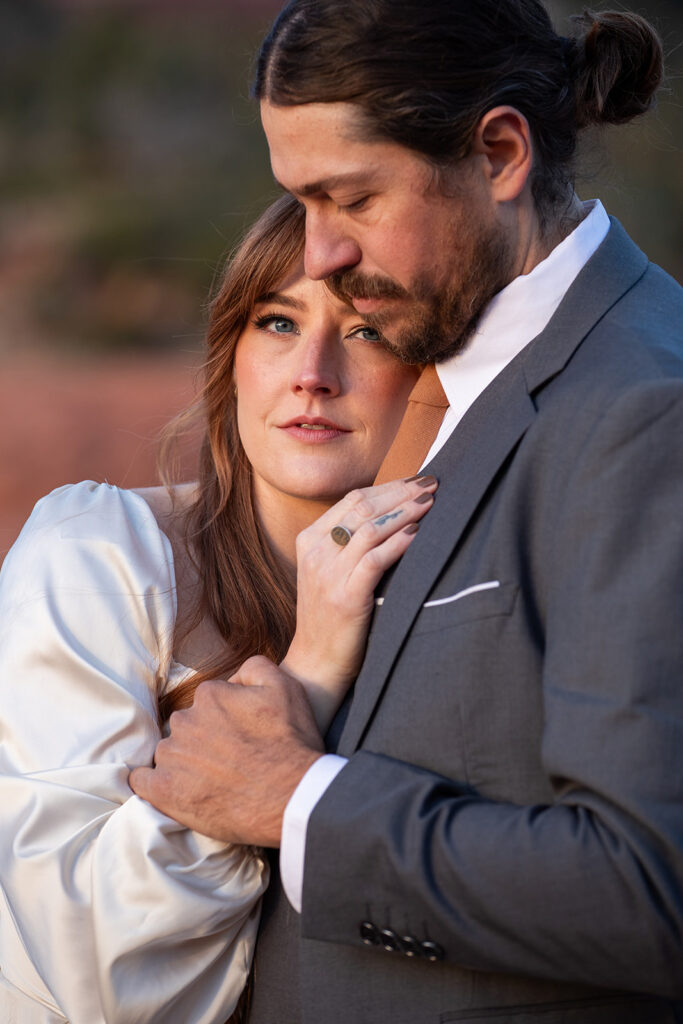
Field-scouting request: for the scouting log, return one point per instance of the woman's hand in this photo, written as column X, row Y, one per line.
column 336, row 584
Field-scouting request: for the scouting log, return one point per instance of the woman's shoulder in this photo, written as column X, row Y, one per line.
column 89, row 511
column 93, row 573
column 93, row 529
column 114, row 547
column 169, row 506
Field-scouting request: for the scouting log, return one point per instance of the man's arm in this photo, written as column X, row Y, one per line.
column 235, row 757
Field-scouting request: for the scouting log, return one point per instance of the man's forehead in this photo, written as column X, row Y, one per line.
column 316, row 148
column 341, row 118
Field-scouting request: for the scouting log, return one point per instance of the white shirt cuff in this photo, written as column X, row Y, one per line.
column 295, row 822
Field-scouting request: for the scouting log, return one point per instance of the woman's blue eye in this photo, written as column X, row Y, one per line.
column 276, row 324
column 282, row 325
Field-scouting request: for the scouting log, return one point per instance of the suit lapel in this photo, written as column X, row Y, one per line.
column 613, row 269
column 465, row 470
column 474, row 454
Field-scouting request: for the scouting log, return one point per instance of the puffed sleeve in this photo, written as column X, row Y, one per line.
column 109, row 911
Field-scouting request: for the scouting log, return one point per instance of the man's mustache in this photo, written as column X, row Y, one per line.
column 350, row 284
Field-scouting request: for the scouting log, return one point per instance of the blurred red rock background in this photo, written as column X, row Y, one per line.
column 63, row 422
column 131, row 159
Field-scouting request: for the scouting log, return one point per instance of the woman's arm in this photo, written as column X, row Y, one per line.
column 112, row 912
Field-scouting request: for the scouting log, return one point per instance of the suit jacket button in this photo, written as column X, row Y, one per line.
column 411, row 946
column 390, row 940
column 369, row 933
column 432, row 951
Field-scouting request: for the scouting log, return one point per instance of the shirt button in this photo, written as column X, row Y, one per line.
column 432, row 951
column 411, row 945
column 369, row 933
column 390, row 940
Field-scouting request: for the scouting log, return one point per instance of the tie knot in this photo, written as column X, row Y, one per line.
column 428, row 389
column 420, row 425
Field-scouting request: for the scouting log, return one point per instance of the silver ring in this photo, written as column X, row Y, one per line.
column 341, row 535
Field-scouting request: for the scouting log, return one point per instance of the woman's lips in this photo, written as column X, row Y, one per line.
column 313, row 430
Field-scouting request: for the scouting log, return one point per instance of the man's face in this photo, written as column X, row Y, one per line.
column 419, row 262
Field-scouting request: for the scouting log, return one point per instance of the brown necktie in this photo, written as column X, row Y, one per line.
column 420, row 425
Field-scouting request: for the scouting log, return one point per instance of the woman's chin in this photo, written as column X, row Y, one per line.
column 331, row 490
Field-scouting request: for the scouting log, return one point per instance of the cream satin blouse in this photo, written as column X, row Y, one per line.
column 109, row 911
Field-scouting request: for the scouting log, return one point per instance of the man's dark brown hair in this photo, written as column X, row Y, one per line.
column 424, row 72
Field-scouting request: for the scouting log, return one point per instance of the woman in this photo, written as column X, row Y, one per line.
column 115, row 604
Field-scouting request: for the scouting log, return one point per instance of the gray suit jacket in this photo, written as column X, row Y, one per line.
column 513, row 803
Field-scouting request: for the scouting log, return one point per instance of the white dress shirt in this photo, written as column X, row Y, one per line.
column 513, row 318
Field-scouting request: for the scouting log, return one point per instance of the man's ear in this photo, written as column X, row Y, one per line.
column 503, row 138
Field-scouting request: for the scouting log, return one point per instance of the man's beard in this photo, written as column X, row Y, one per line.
column 436, row 324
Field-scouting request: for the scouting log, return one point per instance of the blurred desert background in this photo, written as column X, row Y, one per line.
column 131, row 159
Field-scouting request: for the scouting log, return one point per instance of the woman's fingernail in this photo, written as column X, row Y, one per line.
column 422, row 499
column 413, row 528
column 426, row 481
column 411, row 479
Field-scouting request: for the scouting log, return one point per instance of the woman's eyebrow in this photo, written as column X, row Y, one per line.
column 281, row 300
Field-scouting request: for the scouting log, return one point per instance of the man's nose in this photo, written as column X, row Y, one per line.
column 317, row 369
column 328, row 249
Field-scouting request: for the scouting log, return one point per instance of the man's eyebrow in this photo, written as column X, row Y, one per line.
column 280, row 299
column 326, row 185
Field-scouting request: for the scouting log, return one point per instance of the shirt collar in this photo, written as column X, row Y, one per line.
column 518, row 313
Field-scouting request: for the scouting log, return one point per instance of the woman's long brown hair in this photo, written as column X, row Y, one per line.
column 243, row 587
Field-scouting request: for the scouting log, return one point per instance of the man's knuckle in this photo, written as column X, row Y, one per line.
column 204, row 691
column 255, row 662
column 175, row 723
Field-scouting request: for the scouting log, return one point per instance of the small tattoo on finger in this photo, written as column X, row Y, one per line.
column 387, row 516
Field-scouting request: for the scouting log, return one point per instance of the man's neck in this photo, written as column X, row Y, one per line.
column 538, row 233
column 542, row 234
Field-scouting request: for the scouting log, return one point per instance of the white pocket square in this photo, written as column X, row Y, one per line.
column 489, row 585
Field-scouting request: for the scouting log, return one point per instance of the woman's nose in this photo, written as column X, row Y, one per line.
column 328, row 250
column 317, row 367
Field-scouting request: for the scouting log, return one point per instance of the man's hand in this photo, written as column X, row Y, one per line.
column 235, row 757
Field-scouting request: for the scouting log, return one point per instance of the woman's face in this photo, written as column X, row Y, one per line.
column 318, row 398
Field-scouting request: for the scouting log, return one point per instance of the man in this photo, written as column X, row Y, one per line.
column 500, row 839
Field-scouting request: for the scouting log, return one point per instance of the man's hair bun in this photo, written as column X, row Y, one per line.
column 616, row 61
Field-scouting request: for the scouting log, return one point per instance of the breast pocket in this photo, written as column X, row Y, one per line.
column 479, row 601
